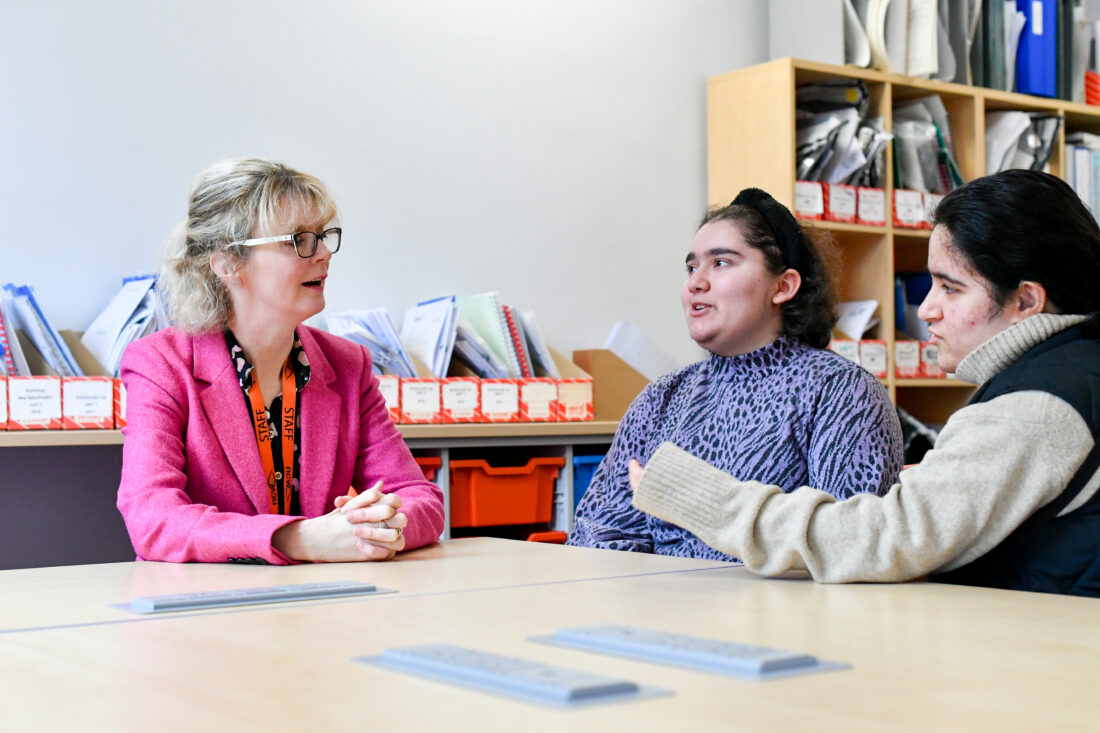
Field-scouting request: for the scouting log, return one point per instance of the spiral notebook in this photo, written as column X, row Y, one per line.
column 519, row 341
column 485, row 313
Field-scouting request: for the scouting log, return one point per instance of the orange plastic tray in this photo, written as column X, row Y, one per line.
column 487, row 496
column 429, row 465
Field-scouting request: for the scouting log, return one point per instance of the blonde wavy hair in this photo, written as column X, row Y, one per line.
column 230, row 201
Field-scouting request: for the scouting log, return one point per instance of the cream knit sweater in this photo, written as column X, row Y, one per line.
column 995, row 463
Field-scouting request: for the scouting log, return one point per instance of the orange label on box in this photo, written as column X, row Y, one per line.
column 390, row 387
column 420, row 401
column 3, row 403
column 538, row 400
column 87, row 403
column 461, row 399
column 574, row 400
column 34, row 403
column 500, row 400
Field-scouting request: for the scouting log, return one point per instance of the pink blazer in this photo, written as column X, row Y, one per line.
column 193, row 487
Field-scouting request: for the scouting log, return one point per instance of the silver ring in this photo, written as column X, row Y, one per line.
column 400, row 531
column 384, row 525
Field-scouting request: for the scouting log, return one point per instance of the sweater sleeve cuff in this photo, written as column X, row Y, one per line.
column 661, row 490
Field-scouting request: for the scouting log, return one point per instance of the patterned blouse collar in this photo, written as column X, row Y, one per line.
column 756, row 364
column 298, row 362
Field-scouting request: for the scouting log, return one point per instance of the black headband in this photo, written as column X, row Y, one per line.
column 785, row 228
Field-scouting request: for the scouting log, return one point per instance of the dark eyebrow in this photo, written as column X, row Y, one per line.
column 947, row 278
column 712, row 253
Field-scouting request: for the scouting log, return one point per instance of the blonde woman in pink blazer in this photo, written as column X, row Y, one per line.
column 245, row 428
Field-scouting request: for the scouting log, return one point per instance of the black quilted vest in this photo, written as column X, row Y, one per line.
column 1048, row 553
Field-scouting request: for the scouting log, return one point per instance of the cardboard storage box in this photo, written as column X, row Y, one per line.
column 848, row 348
column 615, row 383
column 809, row 200
column 872, row 356
column 574, row 390
column 871, row 206
column 907, row 359
column 930, row 361
column 840, row 202
column 120, row 404
column 908, row 208
column 420, row 400
column 500, row 400
column 390, row 387
column 461, row 399
column 34, row 403
column 538, row 399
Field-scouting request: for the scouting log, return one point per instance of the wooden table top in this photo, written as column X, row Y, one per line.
column 923, row 655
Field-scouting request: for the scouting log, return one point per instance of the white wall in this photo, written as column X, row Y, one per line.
column 550, row 149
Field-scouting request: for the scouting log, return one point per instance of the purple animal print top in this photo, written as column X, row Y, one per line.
column 787, row 414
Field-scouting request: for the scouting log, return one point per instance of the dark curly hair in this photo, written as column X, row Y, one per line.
column 811, row 314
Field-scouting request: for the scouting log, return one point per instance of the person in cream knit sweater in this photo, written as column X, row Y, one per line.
column 1008, row 496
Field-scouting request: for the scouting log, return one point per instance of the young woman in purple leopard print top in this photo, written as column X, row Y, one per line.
column 768, row 402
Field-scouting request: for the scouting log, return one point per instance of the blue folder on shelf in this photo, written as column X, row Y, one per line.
column 1037, row 55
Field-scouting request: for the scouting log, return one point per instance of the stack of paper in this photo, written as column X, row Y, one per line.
column 925, row 157
column 374, row 329
column 22, row 311
column 541, row 358
column 428, row 333
column 131, row 314
column 471, row 350
column 485, row 315
column 856, row 317
column 1015, row 139
column 836, row 141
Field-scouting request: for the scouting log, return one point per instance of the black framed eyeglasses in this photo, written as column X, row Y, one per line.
column 305, row 243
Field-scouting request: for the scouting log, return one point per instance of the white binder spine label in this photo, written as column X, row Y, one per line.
column 460, row 397
column 842, row 200
column 87, row 399
column 499, row 398
column 872, row 205
column 908, row 206
column 539, row 397
column 34, row 400
column 420, row 397
column 388, row 386
column 809, row 198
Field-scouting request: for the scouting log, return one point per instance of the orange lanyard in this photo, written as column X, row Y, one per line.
column 286, row 429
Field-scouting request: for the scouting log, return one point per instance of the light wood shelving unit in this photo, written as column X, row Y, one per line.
column 751, row 142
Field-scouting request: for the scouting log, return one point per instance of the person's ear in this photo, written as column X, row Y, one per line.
column 1030, row 298
column 786, row 287
column 221, row 267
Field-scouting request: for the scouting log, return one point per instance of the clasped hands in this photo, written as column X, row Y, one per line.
column 366, row 526
column 375, row 519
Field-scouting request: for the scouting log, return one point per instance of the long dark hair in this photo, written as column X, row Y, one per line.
column 811, row 314
column 1021, row 225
